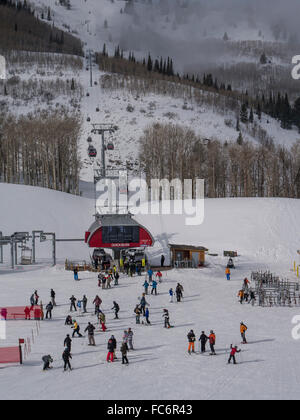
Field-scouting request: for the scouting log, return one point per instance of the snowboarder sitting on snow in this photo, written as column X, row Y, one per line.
column 243, row 330
column 233, row 352
column 47, row 360
column 66, row 356
column 191, row 338
column 69, row 320
column 203, row 340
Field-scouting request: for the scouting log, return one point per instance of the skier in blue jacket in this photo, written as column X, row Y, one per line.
column 154, row 287
column 171, row 293
column 147, row 316
column 146, row 286
column 150, row 274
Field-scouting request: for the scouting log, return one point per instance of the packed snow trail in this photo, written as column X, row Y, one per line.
column 160, row 367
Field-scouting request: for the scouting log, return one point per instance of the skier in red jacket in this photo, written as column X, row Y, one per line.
column 233, row 352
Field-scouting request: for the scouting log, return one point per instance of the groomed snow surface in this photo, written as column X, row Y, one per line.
column 264, row 232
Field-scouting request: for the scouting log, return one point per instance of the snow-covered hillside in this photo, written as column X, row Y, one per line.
column 265, row 233
column 264, row 229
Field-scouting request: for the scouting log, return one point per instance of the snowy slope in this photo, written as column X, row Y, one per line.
column 265, row 232
column 265, row 229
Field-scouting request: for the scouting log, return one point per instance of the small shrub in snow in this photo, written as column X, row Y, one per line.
column 130, row 108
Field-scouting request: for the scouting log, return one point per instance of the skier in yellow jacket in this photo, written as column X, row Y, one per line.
column 243, row 330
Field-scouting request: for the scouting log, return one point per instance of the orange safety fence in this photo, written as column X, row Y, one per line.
column 21, row 312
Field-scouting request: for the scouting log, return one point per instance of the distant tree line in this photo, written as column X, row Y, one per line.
column 276, row 106
column 40, row 150
column 229, row 169
column 21, row 29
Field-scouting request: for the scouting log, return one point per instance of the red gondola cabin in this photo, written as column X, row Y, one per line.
column 117, row 231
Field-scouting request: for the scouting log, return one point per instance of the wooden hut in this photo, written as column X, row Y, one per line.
column 187, row 256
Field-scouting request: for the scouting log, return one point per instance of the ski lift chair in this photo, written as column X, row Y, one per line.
column 92, row 152
column 26, row 256
column 110, row 146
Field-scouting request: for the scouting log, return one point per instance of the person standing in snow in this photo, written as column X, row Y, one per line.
column 124, row 350
column 97, row 302
column 68, row 342
column 191, row 339
column 84, row 303
column 227, row 273
column 143, row 303
column 159, row 276
column 116, row 307
column 102, row 320
column 32, row 301
column 75, row 271
column 203, row 340
column 162, row 261
column 178, row 293
column 73, row 303
column 241, row 296
column 171, row 294
column 52, row 295
column 117, row 276
column 137, row 312
column 252, row 297
column 114, row 341
column 243, row 330
column 130, row 339
column 91, row 332
column 49, row 309
column 154, row 287
column 110, row 348
column 146, row 286
column 147, row 314
column 66, row 356
column 212, row 343
column 125, row 337
column 167, row 318
column 36, row 298
column 233, row 352
column 150, row 275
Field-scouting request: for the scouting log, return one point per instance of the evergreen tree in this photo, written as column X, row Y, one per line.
column 251, row 116
column 244, row 114
column 149, row 63
column 263, row 59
